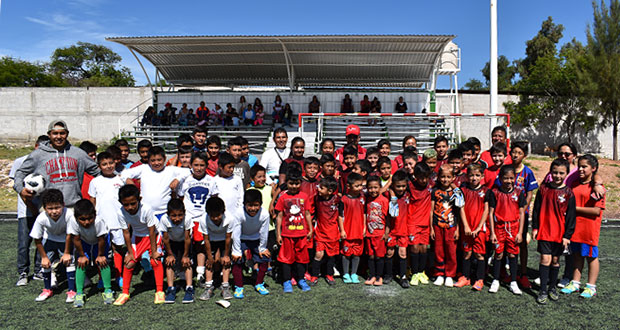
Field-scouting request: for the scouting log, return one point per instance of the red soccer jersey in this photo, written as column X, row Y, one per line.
column 326, row 215
column 309, row 187
column 136, row 181
column 506, row 204
column 490, row 174
column 398, row 225
column 352, row 210
column 85, row 185
column 439, row 163
column 587, row 227
column 460, row 179
column 212, row 166
column 293, row 208
column 420, row 206
column 376, row 213
column 474, row 204
column 342, row 184
column 554, row 213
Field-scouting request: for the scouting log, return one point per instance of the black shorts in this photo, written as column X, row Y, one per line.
column 177, row 250
column 552, row 248
column 217, row 246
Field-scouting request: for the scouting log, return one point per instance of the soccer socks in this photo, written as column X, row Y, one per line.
column 388, row 266
column 544, row 277
column 371, row 267
column 158, row 269
column 415, row 262
column 402, row 267
column 422, row 261
column 301, row 270
column 127, row 275
column 497, row 264
column 106, row 277
column 200, row 271
column 237, row 272
column 379, row 267
column 47, row 278
column 260, row 277
column 71, row 278
column 80, row 275
column 118, row 264
column 480, row 267
column 345, row 264
column 316, row 266
column 355, row 262
column 467, row 268
column 512, row 262
column 286, row 272
column 331, row 261
column 553, row 276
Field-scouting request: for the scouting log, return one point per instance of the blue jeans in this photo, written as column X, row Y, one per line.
column 24, row 225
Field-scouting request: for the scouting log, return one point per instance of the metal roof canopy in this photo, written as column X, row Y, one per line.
column 316, row 60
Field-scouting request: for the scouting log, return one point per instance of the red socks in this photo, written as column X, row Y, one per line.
column 158, row 270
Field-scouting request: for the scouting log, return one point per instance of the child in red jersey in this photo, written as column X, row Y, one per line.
column 309, row 181
column 372, row 155
column 214, row 146
column 498, row 154
column 410, row 159
column 354, row 224
column 329, row 229
column 553, row 224
column 455, row 159
column 506, row 214
column 399, row 231
column 376, row 230
column 441, row 146
column 474, row 235
column 328, row 165
column 430, row 158
column 350, row 157
column 584, row 242
column 293, row 230
column 446, row 208
column 417, row 224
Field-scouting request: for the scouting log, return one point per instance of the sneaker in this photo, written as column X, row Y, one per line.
column 387, row 279
column 346, row 278
column 439, row 281
column 293, row 281
column 542, row 298
column 37, row 276
column 200, row 279
column 260, row 288
column 70, row 296
column 108, row 297
column 355, row 279
column 307, row 276
column 160, row 297
column 23, row 279
column 524, row 282
column 336, row 272
column 287, row 287
column 46, row 293
column 478, row 285
column 449, row 282
column 563, row 282
column 514, row 288
column 423, row 278
column 370, row 281
column 404, row 283
column 537, row 281
column 269, row 272
column 121, row 300
column 330, row 280
column 553, row 294
column 188, row 298
column 313, row 281
column 570, row 288
column 303, row 285
column 171, row 295
column 208, row 294
column 79, row 300
column 588, row 292
column 238, row 293
column 378, row 282
column 494, row 286
column 226, row 294
column 463, row 281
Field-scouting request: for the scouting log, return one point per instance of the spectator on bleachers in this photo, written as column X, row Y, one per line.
column 287, row 115
column 190, row 118
column 242, row 104
column 167, row 116
column 216, row 115
column 314, row 106
column 277, row 109
column 365, row 105
column 230, row 114
column 248, row 115
column 401, row 106
column 258, row 104
column 202, row 113
column 182, row 115
column 347, row 104
column 260, row 115
column 149, row 117
column 375, row 105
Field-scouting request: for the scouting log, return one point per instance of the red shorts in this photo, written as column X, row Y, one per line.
column 400, row 241
column 375, row 246
column 506, row 233
column 419, row 235
column 476, row 244
column 143, row 244
column 294, row 250
column 330, row 248
column 354, row 247
column 196, row 234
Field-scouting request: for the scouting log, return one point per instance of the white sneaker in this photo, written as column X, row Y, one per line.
column 449, row 282
column 537, row 281
column 514, row 288
column 439, row 281
column 336, row 272
column 494, row 286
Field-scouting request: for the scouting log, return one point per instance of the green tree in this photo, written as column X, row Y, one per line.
column 543, row 44
column 87, row 64
column 19, row 73
column 475, row 85
column 506, row 73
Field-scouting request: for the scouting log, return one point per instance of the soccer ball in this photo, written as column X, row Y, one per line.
column 34, row 183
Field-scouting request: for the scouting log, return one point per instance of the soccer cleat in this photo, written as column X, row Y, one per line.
column 171, row 295
column 524, row 282
column 346, row 278
column 463, row 281
column 238, row 294
column 563, row 282
column 588, row 292
column 313, row 281
column 449, row 282
column 370, row 281
column 336, row 272
column 260, row 288
column 38, row 276
column 303, row 285
column 287, row 287
column 514, row 288
column 378, row 282
column 330, row 280
column 160, row 297
column 23, row 279
column 108, row 297
column 122, row 299
column 478, row 285
column 226, row 294
column 189, row 295
column 542, row 298
column 570, row 288
column 404, row 283
column 307, row 276
column 553, row 294
column 293, row 281
column 387, row 279
column 70, row 296
column 46, row 293
column 355, row 279
column 415, row 279
column 208, row 294
column 423, row 278
column 494, row 286
column 439, row 281
column 79, row 300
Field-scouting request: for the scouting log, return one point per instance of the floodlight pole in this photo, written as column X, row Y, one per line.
column 493, row 59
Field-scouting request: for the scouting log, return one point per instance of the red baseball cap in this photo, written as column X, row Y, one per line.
column 353, row 129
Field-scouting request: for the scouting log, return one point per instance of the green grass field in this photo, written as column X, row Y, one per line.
column 340, row 307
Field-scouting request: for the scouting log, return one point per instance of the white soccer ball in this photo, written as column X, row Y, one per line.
column 34, row 183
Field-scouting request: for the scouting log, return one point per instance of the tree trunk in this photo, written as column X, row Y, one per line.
column 615, row 140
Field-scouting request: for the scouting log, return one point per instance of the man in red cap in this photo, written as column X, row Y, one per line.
column 353, row 138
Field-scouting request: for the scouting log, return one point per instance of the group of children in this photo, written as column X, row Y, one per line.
column 211, row 213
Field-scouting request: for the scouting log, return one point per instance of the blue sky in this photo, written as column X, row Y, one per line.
column 31, row 30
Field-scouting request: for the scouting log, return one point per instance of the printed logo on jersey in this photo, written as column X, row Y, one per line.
column 198, row 195
column 514, row 197
column 296, row 218
column 375, row 219
column 562, row 198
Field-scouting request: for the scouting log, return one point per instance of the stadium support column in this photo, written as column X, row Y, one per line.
column 493, row 60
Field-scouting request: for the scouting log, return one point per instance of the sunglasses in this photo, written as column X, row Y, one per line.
column 565, row 154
